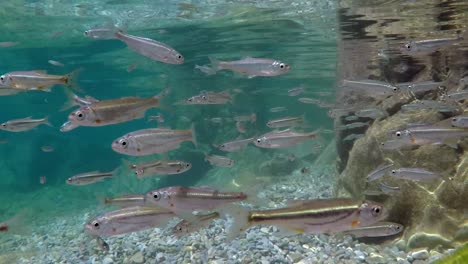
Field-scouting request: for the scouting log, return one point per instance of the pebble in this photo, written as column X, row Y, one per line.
column 402, row 261
column 137, row 258
column 420, row 254
column 359, row 255
column 375, row 259
column 107, row 260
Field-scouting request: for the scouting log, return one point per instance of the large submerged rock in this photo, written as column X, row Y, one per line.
column 432, row 212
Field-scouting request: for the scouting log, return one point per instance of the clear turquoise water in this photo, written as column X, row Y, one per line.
column 303, row 35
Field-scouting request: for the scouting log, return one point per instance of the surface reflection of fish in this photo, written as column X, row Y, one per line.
column 380, row 229
column 286, row 122
column 127, row 220
column 372, row 87
column 185, row 227
column 424, row 47
column 379, row 172
column 311, row 216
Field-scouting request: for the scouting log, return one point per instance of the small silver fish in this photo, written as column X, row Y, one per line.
column 442, row 107
column 457, row 96
column 23, row 124
column 185, row 227
column 251, row 66
column 7, row 44
column 388, row 189
column 296, row 91
column 47, row 149
column 151, row 48
column 286, row 122
column 351, row 118
column 283, row 139
column 219, row 161
column 152, row 141
column 379, row 172
column 160, row 167
column 36, row 80
column 100, row 33
column 460, row 121
column 277, row 109
column 127, row 220
column 424, row 47
column 159, row 118
column 234, row 146
column 184, row 200
column 414, row 174
column 419, row 87
column 89, row 178
column 379, row 229
column 372, row 87
column 206, row 98
column 430, row 134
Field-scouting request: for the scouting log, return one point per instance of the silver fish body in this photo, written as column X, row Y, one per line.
column 414, row 174
column 423, row 47
column 109, row 112
column 252, row 66
column 379, row 172
column 35, row 80
column 373, row 113
column 128, row 220
column 209, row 98
column 151, row 141
column 283, row 139
column 89, row 178
column 286, row 122
column 220, row 161
column 430, row 135
column 188, row 199
column 372, row 87
column 380, row 229
column 23, row 124
column 161, row 167
column 457, row 96
column 100, row 33
column 151, row 48
column 236, row 145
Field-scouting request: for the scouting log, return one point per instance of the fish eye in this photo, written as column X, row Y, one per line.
column 397, row 227
column 95, row 224
column 2, row 78
column 282, row 65
column 3, row 125
column 86, row 32
column 408, row 46
column 398, row 133
column 179, row 56
column 190, row 99
column 454, row 119
column 187, row 165
column 393, row 171
column 376, row 210
column 123, row 143
column 203, row 97
column 79, row 115
column 395, row 89
column 156, row 196
column 259, row 140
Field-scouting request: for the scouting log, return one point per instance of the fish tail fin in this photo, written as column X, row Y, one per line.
column 316, row 134
column 239, row 222
column 70, row 101
column 71, row 80
column 215, row 64
column 47, row 122
column 17, row 224
column 194, row 135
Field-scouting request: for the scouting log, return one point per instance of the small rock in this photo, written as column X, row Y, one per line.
column 107, row 260
column 359, row 255
column 295, row 256
column 402, row 261
column 137, row 258
column 375, row 259
column 264, row 230
column 420, row 254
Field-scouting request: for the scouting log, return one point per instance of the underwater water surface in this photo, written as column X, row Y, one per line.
column 311, row 86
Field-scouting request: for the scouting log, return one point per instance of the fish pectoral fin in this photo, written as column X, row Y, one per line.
column 44, row 88
column 355, row 224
